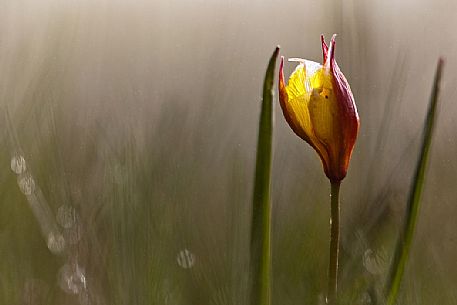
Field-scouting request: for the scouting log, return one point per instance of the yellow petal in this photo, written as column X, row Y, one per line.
column 325, row 115
column 303, row 83
column 297, row 105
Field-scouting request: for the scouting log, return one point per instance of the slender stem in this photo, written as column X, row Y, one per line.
column 332, row 288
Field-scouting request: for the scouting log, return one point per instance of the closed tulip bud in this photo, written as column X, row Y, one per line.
column 319, row 106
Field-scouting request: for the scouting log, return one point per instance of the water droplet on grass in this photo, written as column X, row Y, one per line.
column 71, row 279
column 185, row 259
column 26, row 184
column 18, row 165
column 56, row 243
column 66, row 216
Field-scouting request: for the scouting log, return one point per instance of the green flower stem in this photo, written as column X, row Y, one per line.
column 406, row 236
column 332, row 288
column 260, row 260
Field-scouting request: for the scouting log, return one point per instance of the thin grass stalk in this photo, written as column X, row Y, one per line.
column 260, row 256
column 403, row 247
column 332, row 288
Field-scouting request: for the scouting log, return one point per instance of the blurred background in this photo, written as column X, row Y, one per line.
column 128, row 144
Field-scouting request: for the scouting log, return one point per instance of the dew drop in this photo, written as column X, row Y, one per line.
column 71, row 279
column 56, row 243
column 18, row 164
column 26, row 184
column 185, row 259
column 66, row 216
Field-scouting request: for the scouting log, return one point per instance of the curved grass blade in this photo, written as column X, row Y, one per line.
column 260, row 256
column 405, row 240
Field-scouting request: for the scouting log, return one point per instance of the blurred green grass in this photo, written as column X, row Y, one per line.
column 155, row 150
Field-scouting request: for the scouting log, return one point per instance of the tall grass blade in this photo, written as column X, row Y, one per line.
column 405, row 240
column 260, row 256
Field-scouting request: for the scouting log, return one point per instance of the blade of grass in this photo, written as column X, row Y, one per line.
column 405, row 240
column 260, row 256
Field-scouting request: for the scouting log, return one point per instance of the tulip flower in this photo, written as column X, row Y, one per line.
column 319, row 107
